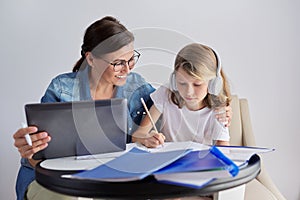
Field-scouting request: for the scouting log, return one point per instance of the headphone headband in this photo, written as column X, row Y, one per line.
column 216, row 84
column 218, row 60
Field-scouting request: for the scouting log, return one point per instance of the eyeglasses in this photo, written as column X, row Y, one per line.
column 120, row 64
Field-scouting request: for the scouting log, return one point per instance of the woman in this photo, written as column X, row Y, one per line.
column 102, row 72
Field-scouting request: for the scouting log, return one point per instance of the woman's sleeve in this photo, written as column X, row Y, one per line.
column 52, row 93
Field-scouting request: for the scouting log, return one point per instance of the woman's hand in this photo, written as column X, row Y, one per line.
column 224, row 115
column 39, row 141
column 151, row 140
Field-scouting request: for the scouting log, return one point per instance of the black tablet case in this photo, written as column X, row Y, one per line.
column 80, row 128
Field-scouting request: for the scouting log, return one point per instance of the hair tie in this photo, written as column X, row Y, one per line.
column 82, row 53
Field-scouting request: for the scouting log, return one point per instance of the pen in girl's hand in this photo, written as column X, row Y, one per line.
column 27, row 136
column 148, row 113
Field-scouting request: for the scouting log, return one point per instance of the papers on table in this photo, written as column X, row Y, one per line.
column 166, row 167
column 92, row 161
column 138, row 162
column 241, row 154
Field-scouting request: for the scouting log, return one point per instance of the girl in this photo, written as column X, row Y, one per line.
column 197, row 87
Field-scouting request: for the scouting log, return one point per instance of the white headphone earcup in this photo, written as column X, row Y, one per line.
column 172, row 84
column 215, row 86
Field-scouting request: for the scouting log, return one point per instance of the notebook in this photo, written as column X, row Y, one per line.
column 81, row 127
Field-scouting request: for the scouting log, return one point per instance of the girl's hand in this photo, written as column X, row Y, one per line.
column 224, row 115
column 151, row 140
column 154, row 140
column 39, row 141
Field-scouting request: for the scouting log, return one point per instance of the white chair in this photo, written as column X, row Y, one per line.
column 241, row 134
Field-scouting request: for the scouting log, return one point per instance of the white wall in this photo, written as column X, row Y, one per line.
column 258, row 42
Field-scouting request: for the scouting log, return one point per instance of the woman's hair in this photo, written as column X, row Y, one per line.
column 103, row 36
column 200, row 62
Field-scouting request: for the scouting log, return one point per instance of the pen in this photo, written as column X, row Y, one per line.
column 148, row 113
column 27, row 136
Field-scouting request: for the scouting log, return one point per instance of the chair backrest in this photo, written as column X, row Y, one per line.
column 241, row 134
column 241, row 128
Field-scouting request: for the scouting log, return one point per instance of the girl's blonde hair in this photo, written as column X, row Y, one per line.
column 200, row 62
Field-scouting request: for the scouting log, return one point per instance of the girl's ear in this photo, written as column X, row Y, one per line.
column 89, row 58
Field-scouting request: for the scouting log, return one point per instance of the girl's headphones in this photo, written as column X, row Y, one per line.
column 215, row 85
column 173, row 85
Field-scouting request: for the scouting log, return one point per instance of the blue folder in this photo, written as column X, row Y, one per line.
column 203, row 160
column 135, row 164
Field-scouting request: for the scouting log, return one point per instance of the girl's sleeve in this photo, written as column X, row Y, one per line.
column 159, row 97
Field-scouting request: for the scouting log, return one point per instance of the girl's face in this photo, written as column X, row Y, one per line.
column 192, row 90
column 107, row 68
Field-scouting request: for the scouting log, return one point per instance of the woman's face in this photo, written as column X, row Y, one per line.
column 192, row 90
column 103, row 68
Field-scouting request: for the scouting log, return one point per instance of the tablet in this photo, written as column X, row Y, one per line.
column 81, row 127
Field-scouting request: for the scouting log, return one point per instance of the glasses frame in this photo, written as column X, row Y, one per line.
column 136, row 54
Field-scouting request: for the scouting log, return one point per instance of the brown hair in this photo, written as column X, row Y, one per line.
column 103, row 36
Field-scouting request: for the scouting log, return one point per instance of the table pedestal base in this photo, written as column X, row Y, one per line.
column 237, row 193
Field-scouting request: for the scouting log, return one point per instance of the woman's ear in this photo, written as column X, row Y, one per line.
column 89, row 58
